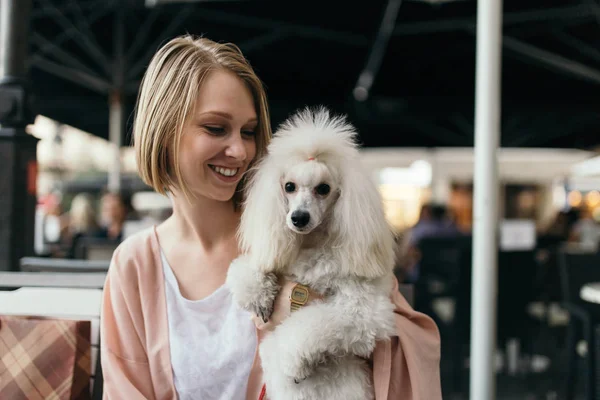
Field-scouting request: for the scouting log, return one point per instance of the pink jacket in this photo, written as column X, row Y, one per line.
column 136, row 359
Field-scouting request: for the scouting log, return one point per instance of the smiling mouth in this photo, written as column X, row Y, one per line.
column 226, row 172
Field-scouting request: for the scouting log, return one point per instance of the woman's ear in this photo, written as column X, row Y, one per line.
column 263, row 233
column 365, row 241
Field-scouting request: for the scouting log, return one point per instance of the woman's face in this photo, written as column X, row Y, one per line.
column 218, row 141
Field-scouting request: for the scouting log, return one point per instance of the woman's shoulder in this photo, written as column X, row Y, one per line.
column 135, row 253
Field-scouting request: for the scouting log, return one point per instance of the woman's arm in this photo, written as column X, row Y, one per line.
column 408, row 367
column 124, row 359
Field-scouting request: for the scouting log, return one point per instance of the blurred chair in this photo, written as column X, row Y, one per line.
column 96, row 248
column 577, row 269
column 84, row 280
column 547, row 280
column 516, row 276
column 439, row 270
column 445, row 276
column 53, row 280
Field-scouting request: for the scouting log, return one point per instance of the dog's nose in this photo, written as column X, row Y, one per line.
column 300, row 218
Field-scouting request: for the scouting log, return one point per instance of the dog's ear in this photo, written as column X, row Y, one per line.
column 364, row 240
column 263, row 233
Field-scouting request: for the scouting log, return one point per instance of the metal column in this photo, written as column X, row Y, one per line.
column 17, row 149
column 485, row 213
column 115, row 134
column 116, row 101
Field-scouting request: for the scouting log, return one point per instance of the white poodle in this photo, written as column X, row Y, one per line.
column 313, row 215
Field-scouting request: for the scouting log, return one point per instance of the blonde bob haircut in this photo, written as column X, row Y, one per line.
column 167, row 97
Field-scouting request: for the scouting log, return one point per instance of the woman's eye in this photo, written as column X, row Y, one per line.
column 290, row 187
column 215, row 130
column 323, row 189
column 249, row 133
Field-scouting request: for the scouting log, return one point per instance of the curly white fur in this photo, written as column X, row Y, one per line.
column 343, row 249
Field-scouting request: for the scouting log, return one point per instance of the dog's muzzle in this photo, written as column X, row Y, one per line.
column 300, row 218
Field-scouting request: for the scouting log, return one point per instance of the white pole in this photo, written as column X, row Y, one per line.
column 485, row 213
column 115, row 132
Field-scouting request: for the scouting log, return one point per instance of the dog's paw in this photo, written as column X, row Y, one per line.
column 298, row 371
column 303, row 368
column 252, row 290
column 363, row 349
column 263, row 304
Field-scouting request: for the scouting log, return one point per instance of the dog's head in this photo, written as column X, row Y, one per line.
column 310, row 190
column 312, row 180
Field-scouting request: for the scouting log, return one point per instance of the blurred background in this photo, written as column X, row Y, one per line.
column 404, row 73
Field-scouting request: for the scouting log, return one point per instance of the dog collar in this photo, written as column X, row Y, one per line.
column 299, row 297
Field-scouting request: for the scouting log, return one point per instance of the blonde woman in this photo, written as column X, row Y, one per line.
column 169, row 327
column 82, row 215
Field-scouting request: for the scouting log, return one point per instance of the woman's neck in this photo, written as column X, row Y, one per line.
column 203, row 220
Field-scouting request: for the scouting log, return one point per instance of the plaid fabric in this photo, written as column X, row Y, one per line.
column 42, row 358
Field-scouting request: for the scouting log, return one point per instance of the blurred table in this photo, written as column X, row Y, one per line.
column 41, row 264
column 87, row 280
column 590, row 292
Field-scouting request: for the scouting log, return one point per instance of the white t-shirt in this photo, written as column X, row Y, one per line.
column 212, row 343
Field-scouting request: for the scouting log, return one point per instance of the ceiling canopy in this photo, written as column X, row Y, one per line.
column 404, row 71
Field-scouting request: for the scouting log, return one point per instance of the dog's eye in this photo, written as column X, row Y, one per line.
column 323, row 189
column 290, row 187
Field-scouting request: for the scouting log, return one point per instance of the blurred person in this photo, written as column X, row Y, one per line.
column 113, row 213
column 52, row 205
column 82, row 215
column 405, row 253
column 82, row 222
column 563, row 224
column 169, row 327
column 131, row 214
column 50, row 225
column 437, row 223
column 559, row 225
column 586, row 231
column 425, row 213
column 434, row 221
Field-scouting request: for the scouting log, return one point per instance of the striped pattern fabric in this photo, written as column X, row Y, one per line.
column 44, row 358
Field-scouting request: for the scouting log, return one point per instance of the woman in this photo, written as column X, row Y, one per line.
column 112, row 214
column 169, row 327
column 82, row 222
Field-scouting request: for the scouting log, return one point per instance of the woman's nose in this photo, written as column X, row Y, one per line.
column 236, row 148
